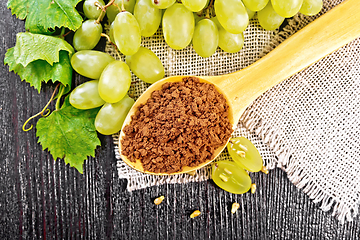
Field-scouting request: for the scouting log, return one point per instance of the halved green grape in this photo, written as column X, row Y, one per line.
column 250, row 13
column 206, row 38
column 194, row 5
column 162, row 4
column 86, row 96
column 230, row 42
column 286, row 8
column 111, row 116
column 245, row 154
column 112, row 10
column 230, row 177
column 127, row 33
column 146, row 65
column 88, row 35
column 178, row 26
column 114, row 81
column 91, row 10
column 232, row 15
column 148, row 17
column 90, row 63
column 269, row 19
column 311, row 7
column 255, row 5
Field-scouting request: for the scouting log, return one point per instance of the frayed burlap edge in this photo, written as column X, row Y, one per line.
column 270, row 136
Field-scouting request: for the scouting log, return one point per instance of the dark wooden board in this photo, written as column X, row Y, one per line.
column 43, row 199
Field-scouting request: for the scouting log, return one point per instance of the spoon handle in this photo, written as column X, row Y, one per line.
column 321, row 37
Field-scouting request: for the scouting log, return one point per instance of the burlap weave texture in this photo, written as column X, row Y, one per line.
column 307, row 125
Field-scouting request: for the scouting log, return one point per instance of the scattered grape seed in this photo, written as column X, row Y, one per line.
column 240, row 153
column 195, row 214
column 227, row 171
column 264, row 170
column 223, row 177
column 243, row 147
column 159, row 200
column 253, row 188
column 235, row 206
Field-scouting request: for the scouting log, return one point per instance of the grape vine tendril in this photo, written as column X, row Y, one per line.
column 42, row 111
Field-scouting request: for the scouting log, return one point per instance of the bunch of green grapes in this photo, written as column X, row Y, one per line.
column 111, row 79
column 232, row 176
column 206, row 24
column 183, row 23
column 189, row 21
column 272, row 13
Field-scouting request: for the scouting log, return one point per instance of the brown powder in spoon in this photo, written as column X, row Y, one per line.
column 180, row 125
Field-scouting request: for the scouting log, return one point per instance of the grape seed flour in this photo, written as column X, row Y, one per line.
column 180, row 125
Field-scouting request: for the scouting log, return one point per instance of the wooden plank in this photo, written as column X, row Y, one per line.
column 42, row 198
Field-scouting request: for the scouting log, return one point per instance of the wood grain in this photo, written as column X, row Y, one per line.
column 43, row 199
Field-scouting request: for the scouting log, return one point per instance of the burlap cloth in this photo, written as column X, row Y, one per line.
column 308, row 125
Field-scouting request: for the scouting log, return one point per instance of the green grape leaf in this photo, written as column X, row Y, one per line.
column 69, row 133
column 40, row 71
column 30, row 47
column 44, row 14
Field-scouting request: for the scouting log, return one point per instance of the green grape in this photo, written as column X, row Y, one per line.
column 111, row 33
column 127, row 33
column 91, row 11
column 148, row 17
column 232, row 15
column 111, row 13
column 286, row 8
column 269, row 19
column 245, row 154
column 146, row 65
column 216, row 21
column 112, row 10
column 206, row 38
column 178, row 26
column 230, row 177
column 311, row 7
column 250, row 13
column 111, row 116
column 194, row 5
column 230, row 42
column 114, row 81
column 162, row 4
column 88, row 35
column 255, row 5
column 90, row 63
column 86, row 96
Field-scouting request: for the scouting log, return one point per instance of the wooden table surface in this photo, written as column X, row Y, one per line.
column 43, row 199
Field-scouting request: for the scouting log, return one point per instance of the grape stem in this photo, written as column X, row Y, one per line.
column 116, row 5
column 40, row 113
column 109, row 4
column 113, row 44
column 61, row 92
column 209, row 6
column 103, row 10
column 122, row 6
column 64, row 35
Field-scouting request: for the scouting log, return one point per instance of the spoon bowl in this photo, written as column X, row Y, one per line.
column 321, row 37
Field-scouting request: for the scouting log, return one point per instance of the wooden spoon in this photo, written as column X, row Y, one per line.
column 321, row 37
